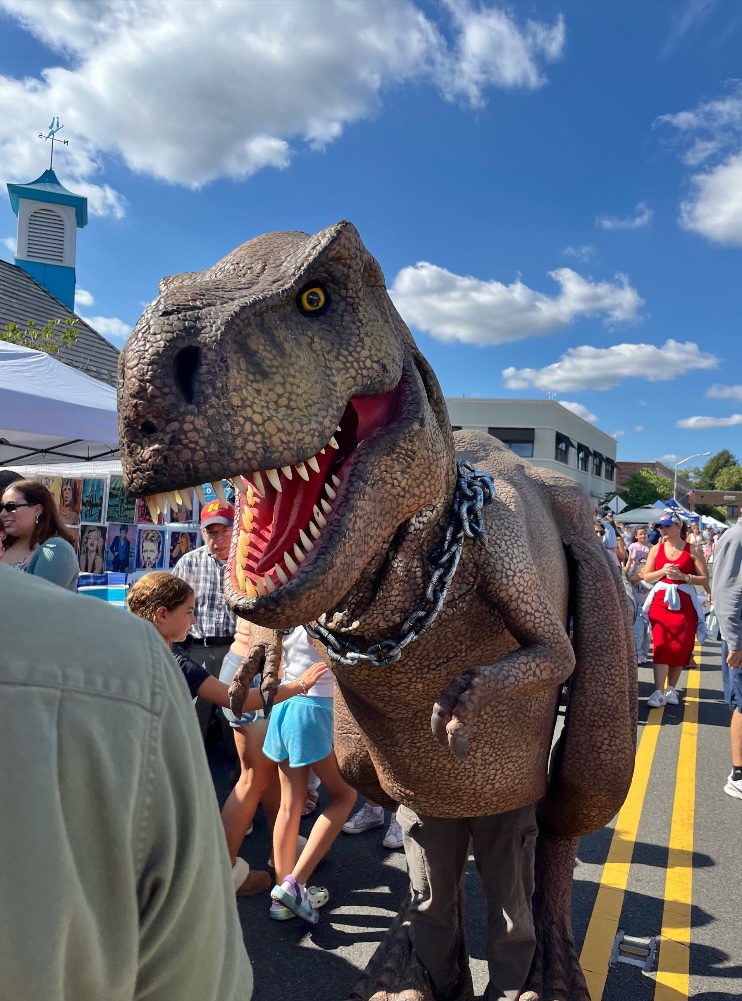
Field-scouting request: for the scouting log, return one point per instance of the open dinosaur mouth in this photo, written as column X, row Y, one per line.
column 282, row 513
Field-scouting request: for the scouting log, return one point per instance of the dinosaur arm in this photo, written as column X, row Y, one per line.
column 266, row 649
column 544, row 659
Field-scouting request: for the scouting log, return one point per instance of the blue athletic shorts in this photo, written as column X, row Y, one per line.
column 300, row 729
column 229, row 668
column 732, row 681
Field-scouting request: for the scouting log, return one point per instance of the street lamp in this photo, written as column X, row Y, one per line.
column 680, row 462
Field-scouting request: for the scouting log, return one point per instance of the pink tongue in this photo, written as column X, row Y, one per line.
column 373, row 412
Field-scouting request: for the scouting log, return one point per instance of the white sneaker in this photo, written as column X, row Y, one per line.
column 671, row 697
column 393, row 837
column 656, row 699
column 733, row 788
column 364, row 819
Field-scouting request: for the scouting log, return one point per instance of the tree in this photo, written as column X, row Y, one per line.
column 48, row 338
column 646, row 487
column 709, row 473
column 729, row 478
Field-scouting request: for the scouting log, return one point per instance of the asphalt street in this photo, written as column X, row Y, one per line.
column 668, row 867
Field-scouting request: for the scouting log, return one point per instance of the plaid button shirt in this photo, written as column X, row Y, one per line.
column 205, row 573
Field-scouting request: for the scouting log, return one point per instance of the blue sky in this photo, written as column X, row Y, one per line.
column 552, row 190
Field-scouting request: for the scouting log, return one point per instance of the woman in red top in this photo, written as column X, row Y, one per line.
column 673, row 561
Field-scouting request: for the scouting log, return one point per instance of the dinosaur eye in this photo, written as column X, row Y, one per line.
column 313, row 299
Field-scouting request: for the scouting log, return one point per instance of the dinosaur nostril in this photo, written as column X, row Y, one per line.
column 148, row 427
column 186, row 365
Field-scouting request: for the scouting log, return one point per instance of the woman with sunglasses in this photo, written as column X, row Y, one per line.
column 673, row 569
column 36, row 541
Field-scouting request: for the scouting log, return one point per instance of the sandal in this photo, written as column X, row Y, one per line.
column 311, row 804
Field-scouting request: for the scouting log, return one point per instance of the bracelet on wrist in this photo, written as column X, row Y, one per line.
column 302, row 685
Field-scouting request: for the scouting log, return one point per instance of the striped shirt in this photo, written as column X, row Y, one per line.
column 205, row 573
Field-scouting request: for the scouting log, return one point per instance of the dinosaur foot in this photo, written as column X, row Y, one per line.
column 394, row 972
column 555, row 973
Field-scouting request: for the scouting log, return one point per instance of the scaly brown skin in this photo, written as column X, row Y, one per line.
column 226, row 373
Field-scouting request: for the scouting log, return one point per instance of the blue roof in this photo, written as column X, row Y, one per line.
column 48, row 189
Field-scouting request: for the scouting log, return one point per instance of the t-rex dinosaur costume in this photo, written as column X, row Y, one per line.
column 287, row 368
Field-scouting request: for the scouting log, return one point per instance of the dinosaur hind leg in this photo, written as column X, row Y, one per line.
column 555, row 973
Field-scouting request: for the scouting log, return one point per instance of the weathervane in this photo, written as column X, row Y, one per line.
column 52, row 134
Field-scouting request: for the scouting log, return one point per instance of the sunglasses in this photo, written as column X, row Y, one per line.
column 11, row 506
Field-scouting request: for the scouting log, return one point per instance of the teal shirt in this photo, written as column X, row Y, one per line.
column 114, row 876
column 55, row 560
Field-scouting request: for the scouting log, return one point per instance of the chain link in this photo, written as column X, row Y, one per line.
column 474, row 489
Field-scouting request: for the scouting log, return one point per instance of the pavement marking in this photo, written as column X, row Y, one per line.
column 601, row 932
column 673, row 976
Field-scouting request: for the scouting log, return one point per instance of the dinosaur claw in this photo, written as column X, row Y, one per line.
column 438, row 722
column 459, row 744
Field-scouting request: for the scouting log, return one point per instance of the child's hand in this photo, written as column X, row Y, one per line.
column 312, row 675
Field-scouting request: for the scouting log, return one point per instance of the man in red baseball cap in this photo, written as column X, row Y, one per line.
column 203, row 568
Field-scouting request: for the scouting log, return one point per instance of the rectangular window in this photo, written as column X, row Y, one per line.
column 563, row 445
column 519, row 440
column 455, row 427
column 583, row 454
column 597, row 464
column 610, row 468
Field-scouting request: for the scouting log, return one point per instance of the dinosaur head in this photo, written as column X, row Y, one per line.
column 286, row 368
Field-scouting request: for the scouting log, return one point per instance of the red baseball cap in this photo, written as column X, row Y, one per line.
column 215, row 513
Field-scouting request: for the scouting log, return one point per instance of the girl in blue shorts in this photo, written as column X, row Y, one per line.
column 300, row 738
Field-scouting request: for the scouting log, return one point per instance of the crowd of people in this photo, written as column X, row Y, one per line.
column 283, row 758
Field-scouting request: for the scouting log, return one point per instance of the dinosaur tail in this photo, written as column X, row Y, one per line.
column 593, row 761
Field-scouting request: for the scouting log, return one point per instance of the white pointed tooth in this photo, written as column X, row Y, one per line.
column 187, row 495
column 338, row 428
column 178, row 496
column 300, row 556
column 258, row 482
column 322, row 451
column 313, row 530
column 313, row 464
column 218, row 489
column 335, row 481
column 240, row 575
column 334, row 443
column 304, row 539
column 173, row 500
column 319, row 518
column 243, row 544
column 261, row 587
column 154, row 508
column 240, row 484
column 290, row 564
column 269, row 585
column 280, row 574
column 287, row 472
column 274, row 479
column 247, row 519
column 330, row 492
column 325, row 506
column 301, row 470
column 249, row 588
column 161, row 499
column 199, row 491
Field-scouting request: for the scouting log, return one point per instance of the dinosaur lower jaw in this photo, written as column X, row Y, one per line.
column 284, row 515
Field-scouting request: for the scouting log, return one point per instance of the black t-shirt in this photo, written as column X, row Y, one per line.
column 195, row 674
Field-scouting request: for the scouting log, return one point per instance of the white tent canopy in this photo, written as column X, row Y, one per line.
column 50, row 412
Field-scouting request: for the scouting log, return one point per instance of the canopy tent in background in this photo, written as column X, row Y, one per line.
column 682, row 511
column 708, row 522
column 640, row 515
column 50, row 412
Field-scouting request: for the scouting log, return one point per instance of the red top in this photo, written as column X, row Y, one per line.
column 684, row 562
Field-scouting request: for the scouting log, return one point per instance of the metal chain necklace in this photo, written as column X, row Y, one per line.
column 474, row 489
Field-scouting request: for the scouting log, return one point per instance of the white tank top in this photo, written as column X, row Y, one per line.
column 298, row 655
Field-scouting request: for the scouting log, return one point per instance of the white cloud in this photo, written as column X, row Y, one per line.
column 639, row 427
column 583, row 254
column 579, row 410
column 190, row 92
column 454, row 307
column 587, row 367
column 668, row 460
column 684, row 18
column 113, row 329
column 719, row 392
column 618, row 434
column 704, row 423
column 83, row 298
column 710, row 137
column 8, row 243
column 640, row 220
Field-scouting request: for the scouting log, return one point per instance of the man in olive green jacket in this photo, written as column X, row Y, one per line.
column 115, row 882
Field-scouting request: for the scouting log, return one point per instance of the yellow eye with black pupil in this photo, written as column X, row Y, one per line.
column 312, row 299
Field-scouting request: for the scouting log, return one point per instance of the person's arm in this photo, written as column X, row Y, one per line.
column 190, row 940
column 649, row 575
column 56, row 561
column 727, row 597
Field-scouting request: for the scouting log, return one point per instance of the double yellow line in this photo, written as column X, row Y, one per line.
column 673, row 965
